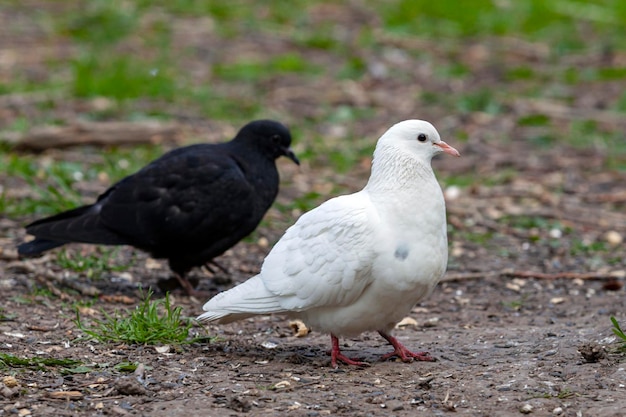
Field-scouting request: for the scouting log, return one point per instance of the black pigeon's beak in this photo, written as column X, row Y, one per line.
column 289, row 154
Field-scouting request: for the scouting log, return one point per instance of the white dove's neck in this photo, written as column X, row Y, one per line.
column 396, row 171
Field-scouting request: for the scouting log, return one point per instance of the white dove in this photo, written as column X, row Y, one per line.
column 358, row 262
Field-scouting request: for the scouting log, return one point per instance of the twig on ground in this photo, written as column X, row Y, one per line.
column 461, row 276
column 97, row 133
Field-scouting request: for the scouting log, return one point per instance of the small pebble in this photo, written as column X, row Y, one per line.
column 282, row 384
column 7, row 392
column 557, row 411
column 299, row 328
column 452, row 192
column 162, row 349
column 556, row 233
column 269, row 344
column 405, row 322
column 613, row 238
column 10, row 381
column 526, row 409
column 395, row 405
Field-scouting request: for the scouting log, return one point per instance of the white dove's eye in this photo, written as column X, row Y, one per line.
column 422, row 137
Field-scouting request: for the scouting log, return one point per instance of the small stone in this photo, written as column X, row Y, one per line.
column 526, row 409
column 282, row 384
column 101, row 104
column 555, row 233
column 592, row 352
column 405, row 322
column 66, row 395
column 299, row 328
column 557, row 411
column 130, row 386
column 153, row 264
column 395, row 405
column 613, row 238
column 263, row 242
column 431, row 322
column 8, row 392
column 10, row 381
column 452, row 192
column 23, row 412
column 269, row 344
column 162, row 349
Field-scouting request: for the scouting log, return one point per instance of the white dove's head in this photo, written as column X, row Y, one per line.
column 417, row 137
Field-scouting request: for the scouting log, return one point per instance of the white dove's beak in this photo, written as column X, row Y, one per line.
column 447, row 148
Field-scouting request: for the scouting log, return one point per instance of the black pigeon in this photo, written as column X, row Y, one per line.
column 189, row 206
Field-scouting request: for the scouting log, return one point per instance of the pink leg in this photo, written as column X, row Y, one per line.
column 335, row 355
column 402, row 352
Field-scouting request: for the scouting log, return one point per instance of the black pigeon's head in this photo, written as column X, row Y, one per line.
column 269, row 137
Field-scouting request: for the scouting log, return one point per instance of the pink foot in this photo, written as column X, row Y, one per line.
column 336, row 355
column 403, row 353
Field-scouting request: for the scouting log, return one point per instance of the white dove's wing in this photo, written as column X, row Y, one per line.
column 325, row 258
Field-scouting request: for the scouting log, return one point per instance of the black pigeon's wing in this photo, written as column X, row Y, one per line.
column 181, row 200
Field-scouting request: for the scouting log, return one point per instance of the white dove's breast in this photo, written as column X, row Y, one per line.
column 411, row 254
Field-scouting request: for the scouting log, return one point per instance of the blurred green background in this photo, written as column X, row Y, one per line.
column 538, row 74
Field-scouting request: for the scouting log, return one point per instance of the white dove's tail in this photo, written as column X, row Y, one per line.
column 245, row 300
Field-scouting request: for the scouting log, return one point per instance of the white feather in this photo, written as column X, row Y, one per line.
column 357, row 262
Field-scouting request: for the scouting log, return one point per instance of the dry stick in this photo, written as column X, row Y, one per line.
column 558, row 110
column 567, row 275
column 97, row 133
column 49, row 280
column 530, row 274
column 601, row 219
column 615, row 197
column 462, row 276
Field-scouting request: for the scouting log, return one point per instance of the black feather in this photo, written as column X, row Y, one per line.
column 189, row 206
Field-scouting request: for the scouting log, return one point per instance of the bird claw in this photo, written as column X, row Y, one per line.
column 402, row 352
column 346, row 360
column 336, row 355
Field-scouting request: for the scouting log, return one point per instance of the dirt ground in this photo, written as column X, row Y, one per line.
column 503, row 339
column 520, row 324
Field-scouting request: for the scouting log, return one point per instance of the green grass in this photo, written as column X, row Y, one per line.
column 101, row 22
column 55, row 197
column 151, row 322
column 122, row 77
column 136, row 54
column 260, row 69
column 62, row 366
column 4, row 316
column 52, row 184
column 92, row 265
column 514, row 305
column 579, row 247
column 482, row 239
column 532, row 19
column 619, row 332
column 39, row 363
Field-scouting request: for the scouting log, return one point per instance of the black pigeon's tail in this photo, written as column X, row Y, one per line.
column 37, row 246
column 82, row 225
